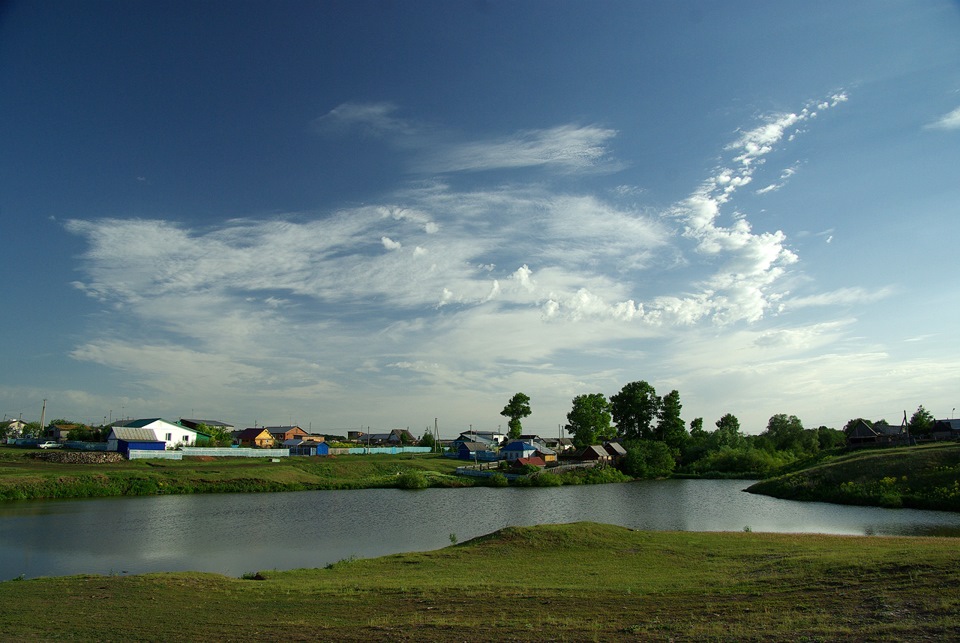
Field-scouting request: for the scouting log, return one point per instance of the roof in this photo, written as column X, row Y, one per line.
column 479, row 437
column 534, row 460
column 249, row 434
column 594, row 450
column 475, row 446
column 207, row 422
column 886, row 429
column 615, row 448
column 135, row 434
column 519, row 445
column 139, row 424
column 946, row 425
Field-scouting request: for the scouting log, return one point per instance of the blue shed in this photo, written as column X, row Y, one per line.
column 123, row 439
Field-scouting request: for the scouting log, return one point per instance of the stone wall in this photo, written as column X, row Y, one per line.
column 80, row 457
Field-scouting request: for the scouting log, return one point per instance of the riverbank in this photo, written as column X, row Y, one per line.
column 584, row 581
column 919, row 477
column 36, row 475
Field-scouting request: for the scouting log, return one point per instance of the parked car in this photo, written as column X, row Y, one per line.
column 49, row 445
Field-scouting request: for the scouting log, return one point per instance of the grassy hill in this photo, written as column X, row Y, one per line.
column 25, row 477
column 924, row 477
column 553, row 582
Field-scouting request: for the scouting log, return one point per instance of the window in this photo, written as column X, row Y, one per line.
column 169, row 437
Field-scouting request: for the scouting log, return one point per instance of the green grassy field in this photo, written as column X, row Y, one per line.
column 923, row 477
column 24, row 477
column 580, row 582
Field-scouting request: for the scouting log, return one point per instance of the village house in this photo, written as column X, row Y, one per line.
column 213, row 424
column 559, row 444
column 257, row 437
column 124, row 439
column 533, row 461
column 473, row 451
column 281, row 433
column 172, row 435
column 595, row 453
column 945, row 430
column 13, row 428
column 616, row 451
column 517, row 449
column 396, row 437
column 863, row 433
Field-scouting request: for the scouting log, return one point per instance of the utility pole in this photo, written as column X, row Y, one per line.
column 43, row 412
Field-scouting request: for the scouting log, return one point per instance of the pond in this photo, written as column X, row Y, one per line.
column 237, row 533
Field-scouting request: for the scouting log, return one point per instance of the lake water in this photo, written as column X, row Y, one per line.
column 237, row 533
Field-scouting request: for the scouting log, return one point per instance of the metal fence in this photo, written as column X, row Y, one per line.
column 222, row 452
column 148, row 454
column 386, row 450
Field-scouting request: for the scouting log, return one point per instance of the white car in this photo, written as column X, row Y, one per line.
column 49, row 445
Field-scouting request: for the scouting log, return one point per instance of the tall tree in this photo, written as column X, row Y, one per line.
column 634, row 409
column 696, row 428
column 727, row 433
column 589, row 420
column 921, row 422
column 670, row 427
column 428, row 440
column 785, row 432
column 648, row 459
column 516, row 409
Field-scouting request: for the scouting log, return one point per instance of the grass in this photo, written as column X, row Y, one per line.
column 577, row 582
column 23, row 477
column 923, row 477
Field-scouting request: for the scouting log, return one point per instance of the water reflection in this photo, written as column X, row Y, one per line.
column 237, row 533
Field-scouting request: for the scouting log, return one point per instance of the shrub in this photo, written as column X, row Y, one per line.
column 547, row 480
column 412, row 480
column 498, row 480
column 648, row 459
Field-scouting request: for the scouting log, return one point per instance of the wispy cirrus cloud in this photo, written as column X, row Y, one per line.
column 371, row 119
column 566, row 147
column 840, row 297
column 443, row 286
column 949, row 121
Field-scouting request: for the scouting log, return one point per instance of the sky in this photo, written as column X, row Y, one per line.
column 387, row 214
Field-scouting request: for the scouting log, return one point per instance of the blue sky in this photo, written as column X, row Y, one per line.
column 374, row 214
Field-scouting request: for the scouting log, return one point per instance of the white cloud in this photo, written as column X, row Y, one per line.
column 566, row 147
column 445, row 289
column 840, row 297
column 949, row 121
column 371, row 119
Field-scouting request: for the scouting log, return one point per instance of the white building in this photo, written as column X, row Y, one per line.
column 173, row 435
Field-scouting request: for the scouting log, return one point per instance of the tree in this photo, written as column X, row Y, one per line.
column 727, row 433
column 428, row 440
column 589, row 420
column 670, row 427
column 219, row 435
column 829, row 438
column 785, row 433
column 648, row 459
column 516, row 409
column 634, row 410
column 921, row 422
column 31, row 430
column 696, row 428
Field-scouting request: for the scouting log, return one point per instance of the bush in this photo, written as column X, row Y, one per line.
column 412, row 480
column 547, row 480
column 648, row 459
column 498, row 480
